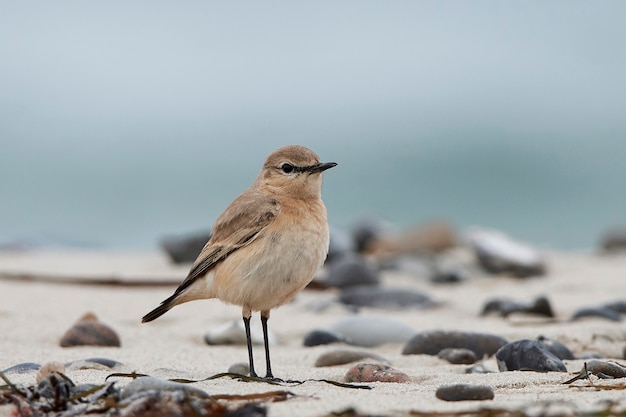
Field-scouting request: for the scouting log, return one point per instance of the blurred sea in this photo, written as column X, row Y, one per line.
column 559, row 192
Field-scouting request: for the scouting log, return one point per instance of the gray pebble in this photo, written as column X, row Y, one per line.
column 599, row 312
column 341, row 243
column 369, row 330
column 350, row 269
column 185, row 249
column 148, row 383
column 432, row 342
column 234, row 333
column 557, row 348
column 458, row 356
column 528, row 355
column 343, row 356
column 22, row 368
column 384, row 297
column 505, row 307
column 239, row 368
column 464, row 392
column 374, row 372
column 323, row 337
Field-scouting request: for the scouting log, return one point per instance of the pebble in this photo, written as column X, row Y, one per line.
column 351, row 269
column 93, row 363
column 240, row 368
column 528, row 355
column 323, row 337
column 497, row 253
column 341, row 243
column 185, row 249
column 598, row 312
column 458, row 356
column 369, row 330
column 49, row 369
column 148, row 383
column 234, row 333
column 617, row 306
column 384, row 297
column 605, row 370
column 427, row 239
column 557, row 348
column 88, row 331
column 343, row 356
column 614, row 240
column 22, row 368
column 505, row 307
column 368, row 230
column 464, row 392
column 374, row 372
column 432, row 342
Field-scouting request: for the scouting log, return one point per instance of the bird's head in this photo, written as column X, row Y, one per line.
column 294, row 171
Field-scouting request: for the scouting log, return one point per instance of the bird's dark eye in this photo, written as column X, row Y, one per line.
column 286, row 168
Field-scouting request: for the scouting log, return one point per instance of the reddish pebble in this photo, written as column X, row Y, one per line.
column 88, row 331
column 372, row 372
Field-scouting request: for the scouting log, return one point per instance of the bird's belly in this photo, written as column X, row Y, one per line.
column 272, row 271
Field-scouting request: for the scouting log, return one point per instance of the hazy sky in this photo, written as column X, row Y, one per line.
column 94, row 89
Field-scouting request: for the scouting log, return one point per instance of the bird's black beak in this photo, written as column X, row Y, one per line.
column 322, row 166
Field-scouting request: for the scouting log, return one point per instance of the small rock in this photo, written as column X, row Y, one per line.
column 93, row 363
column 528, row 355
column 368, row 230
column 464, row 392
column 349, row 270
column 384, row 297
column 427, row 239
column 88, row 331
column 323, row 337
column 234, row 333
column 341, row 243
column 458, row 356
column 598, row 312
column 614, row 240
column 48, row 369
column 557, row 348
column 148, row 383
column 498, row 254
column 432, row 342
column 369, row 372
column 185, row 249
column 22, row 368
column 368, row 330
column 617, row 306
column 605, row 370
column 343, row 356
column 240, row 368
column 505, row 307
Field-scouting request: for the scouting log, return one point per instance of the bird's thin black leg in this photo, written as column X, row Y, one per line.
column 246, row 323
column 264, row 318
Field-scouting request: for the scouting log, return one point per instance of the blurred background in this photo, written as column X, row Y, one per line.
column 122, row 122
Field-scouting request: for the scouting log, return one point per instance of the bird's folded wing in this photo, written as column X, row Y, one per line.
column 237, row 227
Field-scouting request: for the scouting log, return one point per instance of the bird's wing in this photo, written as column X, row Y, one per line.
column 237, row 227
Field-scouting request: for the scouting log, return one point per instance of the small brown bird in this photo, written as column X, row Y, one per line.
column 267, row 244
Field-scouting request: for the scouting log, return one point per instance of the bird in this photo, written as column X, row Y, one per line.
column 266, row 246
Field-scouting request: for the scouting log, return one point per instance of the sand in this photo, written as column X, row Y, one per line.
column 34, row 314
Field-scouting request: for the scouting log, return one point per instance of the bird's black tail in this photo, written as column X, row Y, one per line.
column 165, row 306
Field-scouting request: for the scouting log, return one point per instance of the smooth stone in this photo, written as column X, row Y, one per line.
column 234, row 333
column 464, row 392
column 497, row 253
column 374, row 372
column 598, row 312
column 148, row 383
column 48, row 369
column 185, row 249
column 384, row 297
column 349, row 270
column 93, row 363
column 241, row 368
column 617, row 306
column 88, row 331
column 432, row 342
column 22, row 368
column 614, row 240
column 367, row 230
column 426, row 239
column 343, row 356
column 505, row 307
column 601, row 369
column 557, row 348
column 341, row 243
column 458, row 356
column 323, row 337
column 368, row 330
column 528, row 355
column 417, row 266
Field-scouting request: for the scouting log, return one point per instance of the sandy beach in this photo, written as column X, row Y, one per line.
column 39, row 302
